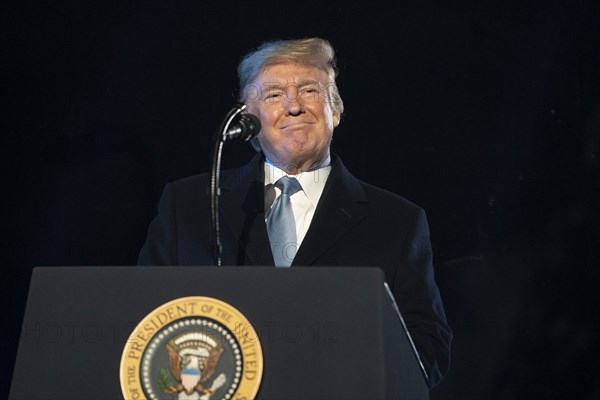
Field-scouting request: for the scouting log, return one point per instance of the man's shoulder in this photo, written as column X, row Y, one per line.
column 192, row 180
column 380, row 197
column 242, row 174
column 374, row 195
column 202, row 179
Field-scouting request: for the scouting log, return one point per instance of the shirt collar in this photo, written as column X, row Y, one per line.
column 313, row 181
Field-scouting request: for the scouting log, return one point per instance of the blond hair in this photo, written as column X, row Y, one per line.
column 313, row 51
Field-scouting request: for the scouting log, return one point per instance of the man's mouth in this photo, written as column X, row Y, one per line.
column 296, row 125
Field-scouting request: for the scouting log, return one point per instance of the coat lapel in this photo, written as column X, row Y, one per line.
column 242, row 211
column 342, row 205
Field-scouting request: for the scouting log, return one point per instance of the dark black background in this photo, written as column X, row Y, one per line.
column 487, row 114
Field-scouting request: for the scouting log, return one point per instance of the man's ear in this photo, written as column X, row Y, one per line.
column 336, row 119
column 255, row 144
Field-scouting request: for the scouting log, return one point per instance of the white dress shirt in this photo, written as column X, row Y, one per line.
column 304, row 202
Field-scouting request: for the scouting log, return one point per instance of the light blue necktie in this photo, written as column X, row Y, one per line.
column 281, row 225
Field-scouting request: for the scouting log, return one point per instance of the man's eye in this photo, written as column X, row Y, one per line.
column 310, row 90
column 273, row 95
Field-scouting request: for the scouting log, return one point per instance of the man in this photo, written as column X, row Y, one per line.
column 335, row 219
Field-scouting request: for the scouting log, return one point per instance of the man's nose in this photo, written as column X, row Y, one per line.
column 293, row 102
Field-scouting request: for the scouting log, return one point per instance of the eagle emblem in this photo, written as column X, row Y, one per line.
column 191, row 349
column 193, row 359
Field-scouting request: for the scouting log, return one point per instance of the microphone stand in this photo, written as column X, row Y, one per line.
column 215, row 177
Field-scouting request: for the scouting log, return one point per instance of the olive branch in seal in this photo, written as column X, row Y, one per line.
column 163, row 381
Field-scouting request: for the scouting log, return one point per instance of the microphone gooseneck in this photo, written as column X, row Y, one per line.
column 235, row 126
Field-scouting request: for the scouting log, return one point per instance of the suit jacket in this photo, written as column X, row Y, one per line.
column 355, row 224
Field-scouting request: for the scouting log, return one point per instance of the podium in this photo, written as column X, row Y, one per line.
column 325, row 332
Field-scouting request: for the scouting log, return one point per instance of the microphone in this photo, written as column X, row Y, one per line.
column 246, row 127
column 235, row 126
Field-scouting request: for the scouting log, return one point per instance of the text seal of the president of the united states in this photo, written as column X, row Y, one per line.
column 192, row 348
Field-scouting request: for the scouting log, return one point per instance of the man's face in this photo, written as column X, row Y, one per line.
column 292, row 102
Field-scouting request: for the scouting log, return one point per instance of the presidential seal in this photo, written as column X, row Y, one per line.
column 192, row 348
